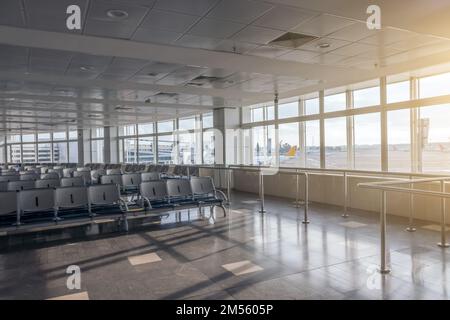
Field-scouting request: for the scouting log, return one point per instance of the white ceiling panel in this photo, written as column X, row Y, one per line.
column 323, row 25
column 233, row 46
column 269, row 52
column 156, row 36
column 299, row 56
column 214, row 28
column 353, row 32
column 284, row 18
column 243, row 11
column 388, row 36
column 257, row 35
column 354, row 49
column 319, row 45
column 198, row 42
column 11, row 13
column 194, row 7
column 168, row 21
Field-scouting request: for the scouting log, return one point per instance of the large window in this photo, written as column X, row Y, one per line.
column 336, row 142
column 398, row 91
column 312, row 106
column 263, row 145
column 166, row 149
column 186, row 148
column 367, row 142
column 288, row 136
column 312, row 144
column 434, row 138
column 146, row 152
column 335, row 102
column 208, row 147
column 288, row 110
column 399, row 140
column 366, row 97
column 433, row 86
column 97, row 150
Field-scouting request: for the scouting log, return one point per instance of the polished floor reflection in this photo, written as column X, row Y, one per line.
column 246, row 255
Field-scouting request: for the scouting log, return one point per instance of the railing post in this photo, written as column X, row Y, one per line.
column 411, row 228
column 345, row 214
column 383, row 263
column 297, row 202
column 261, row 191
column 305, row 218
column 443, row 243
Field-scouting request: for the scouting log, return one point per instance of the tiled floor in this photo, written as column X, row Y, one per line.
column 243, row 256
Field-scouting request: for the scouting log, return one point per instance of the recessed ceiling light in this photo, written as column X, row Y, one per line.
column 86, row 68
column 323, row 45
column 117, row 14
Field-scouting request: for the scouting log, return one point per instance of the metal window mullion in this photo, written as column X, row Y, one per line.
column 350, row 131
column 322, row 129
column 383, row 125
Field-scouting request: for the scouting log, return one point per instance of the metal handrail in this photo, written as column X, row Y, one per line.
column 386, row 186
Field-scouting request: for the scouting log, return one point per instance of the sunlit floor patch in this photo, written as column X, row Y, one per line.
column 352, row 224
column 143, row 259
column 250, row 201
column 74, row 296
column 242, row 267
column 434, row 227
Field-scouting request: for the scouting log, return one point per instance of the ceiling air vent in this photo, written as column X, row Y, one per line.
column 202, row 80
column 166, row 95
column 292, row 40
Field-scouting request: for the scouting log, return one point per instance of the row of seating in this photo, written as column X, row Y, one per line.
column 75, row 201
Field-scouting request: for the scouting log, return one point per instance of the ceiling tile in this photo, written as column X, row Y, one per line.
column 257, row 35
column 283, row 18
column 234, row 46
column 195, row 7
column 168, row 21
column 11, row 13
column 198, row 42
column 353, row 32
column 50, row 14
column 299, row 56
column 332, row 44
column 268, row 52
column 108, row 29
column 388, row 36
column 156, row 36
column 354, row 49
column 323, row 25
column 328, row 58
column 215, row 28
column 244, row 11
column 415, row 42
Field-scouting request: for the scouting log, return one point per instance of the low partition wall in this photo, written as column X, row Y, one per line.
column 328, row 188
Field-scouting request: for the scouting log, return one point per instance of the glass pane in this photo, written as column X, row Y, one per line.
column 13, row 138
column 263, row 145
column 258, row 114
column 145, row 128
column 399, row 140
column 335, row 102
column 44, row 136
column 312, row 144
column 29, row 153
column 247, row 147
column 73, row 134
column 60, row 152
column 165, row 126
column 207, row 120
column 208, row 147
column 366, row 97
column 59, row 135
column 434, row 86
column 146, row 150
column 130, row 150
column 186, row 148
column 129, row 130
column 270, row 113
column 312, row 106
column 336, row 143
column 434, row 132
column 28, row 138
column 398, row 91
column 73, row 152
column 289, row 144
column 44, row 153
column 166, row 149
column 97, row 151
column 367, row 147
column 186, row 124
column 14, row 153
column 288, row 110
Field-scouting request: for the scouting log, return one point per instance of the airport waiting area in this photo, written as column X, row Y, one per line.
column 224, row 150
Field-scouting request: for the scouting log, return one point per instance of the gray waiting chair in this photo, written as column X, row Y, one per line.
column 69, row 198
column 113, row 171
column 68, row 172
column 206, row 194
column 20, row 185
column 29, row 176
column 59, row 172
column 111, row 179
column 96, row 174
column 50, row 176
column 131, row 182
column 86, row 175
column 84, row 169
column 3, row 186
column 107, row 195
column 9, row 178
column 72, row 182
column 154, row 194
column 179, row 190
column 149, row 176
column 47, row 183
column 34, row 201
column 8, row 200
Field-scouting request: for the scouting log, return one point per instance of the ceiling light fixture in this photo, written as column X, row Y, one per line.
column 323, row 45
column 117, row 14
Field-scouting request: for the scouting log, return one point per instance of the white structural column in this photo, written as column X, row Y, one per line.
column 107, row 145
column 322, row 128
column 384, row 126
column 80, row 141
column 226, row 123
